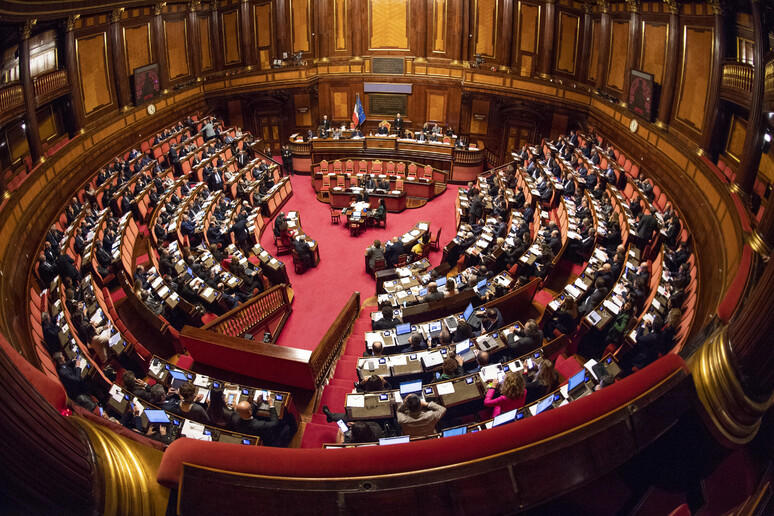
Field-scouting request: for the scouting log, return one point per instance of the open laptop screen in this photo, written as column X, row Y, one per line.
column 468, row 312
column 463, row 347
column 403, row 329
column 435, row 326
column 455, row 431
column 156, row 416
column 441, row 281
column 394, row 440
column 411, row 387
column 504, row 418
column 543, row 405
column 576, row 380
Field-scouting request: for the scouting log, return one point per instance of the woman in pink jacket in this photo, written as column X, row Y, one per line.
column 512, row 394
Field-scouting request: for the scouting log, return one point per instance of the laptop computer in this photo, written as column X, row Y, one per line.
column 434, row 329
column 464, row 349
column 462, row 430
column 410, row 387
column 468, row 313
column 441, row 282
column 402, row 334
column 545, row 404
column 504, row 418
column 481, row 287
column 577, row 385
column 394, row 440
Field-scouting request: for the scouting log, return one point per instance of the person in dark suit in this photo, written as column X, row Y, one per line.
column 241, row 234
column 70, row 376
column 525, row 340
column 596, row 297
column 387, row 322
column 66, row 267
column 519, row 199
column 215, row 181
column 493, row 320
column 187, row 227
column 397, row 124
column 392, row 252
column 648, row 225
column 174, row 160
column 674, row 259
column 555, row 241
column 50, row 334
column 304, row 251
column 244, row 422
column 325, row 123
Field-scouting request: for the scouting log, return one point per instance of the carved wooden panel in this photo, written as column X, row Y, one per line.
column 736, row 136
column 137, row 46
column 654, row 49
column 264, row 27
column 389, row 24
column 529, row 28
column 204, row 42
column 596, row 27
column 177, row 48
column 486, row 27
column 232, row 44
column 436, row 107
column 94, row 72
column 619, row 46
column 340, row 25
column 303, row 109
column 567, row 44
column 695, row 75
column 299, row 23
column 341, row 107
column 439, row 26
column 479, row 119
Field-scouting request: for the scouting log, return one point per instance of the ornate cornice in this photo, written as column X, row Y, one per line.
column 158, row 8
column 115, row 15
column 194, row 5
column 27, row 29
column 69, row 23
column 604, row 6
column 634, row 5
column 588, row 7
column 718, row 6
column 674, row 6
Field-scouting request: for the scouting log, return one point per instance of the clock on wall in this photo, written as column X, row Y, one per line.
column 146, row 83
column 641, row 94
column 151, row 109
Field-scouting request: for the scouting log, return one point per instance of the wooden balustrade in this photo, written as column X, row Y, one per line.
column 768, row 88
column 468, row 157
column 329, row 347
column 11, row 97
column 257, row 312
column 50, row 83
column 736, row 84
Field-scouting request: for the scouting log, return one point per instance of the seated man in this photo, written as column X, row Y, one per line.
column 432, row 293
column 387, row 322
column 243, row 421
column 304, row 251
column 393, row 251
column 418, row 418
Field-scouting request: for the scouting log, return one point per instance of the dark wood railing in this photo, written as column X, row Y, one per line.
column 11, row 96
column 256, row 313
column 768, row 87
column 50, row 83
column 327, row 351
column 736, row 84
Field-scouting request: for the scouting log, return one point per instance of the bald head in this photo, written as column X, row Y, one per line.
column 244, row 409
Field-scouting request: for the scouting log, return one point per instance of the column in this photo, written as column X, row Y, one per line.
column 282, row 27
column 505, row 43
column 635, row 39
column 604, row 43
column 419, row 9
column 30, row 117
column 71, row 66
column 667, row 96
column 159, row 44
column 753, row 140
column 708, row 132
column 455, row 43
column 547, row 41
column 217, row 43
column 248, row 38
column 120, row 75
column 585, row 54
column 193, row 39
column 734, row 371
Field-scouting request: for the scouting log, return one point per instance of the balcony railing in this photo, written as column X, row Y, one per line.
column 768, row 88
column 738, row 76
column 49, row 83
column 11, row 97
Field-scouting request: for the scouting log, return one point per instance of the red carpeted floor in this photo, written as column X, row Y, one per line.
column 320, row 293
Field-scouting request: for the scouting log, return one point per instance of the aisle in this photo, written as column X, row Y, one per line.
column 320, row 293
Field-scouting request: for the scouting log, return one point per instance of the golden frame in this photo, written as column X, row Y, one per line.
column 613, row 50
column 107, row 70
column 238, row 36
column 126, row 50
column 494, row 29
column 574, row 49
column 344, row 26
column 185, row 47
column 258, row 47
column 308, row 27
column 679, row 97
column 206, row 20
column 734, row 120
column 408, row 30
column 666, row 46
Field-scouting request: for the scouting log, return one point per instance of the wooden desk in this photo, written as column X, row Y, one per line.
column 394, row 202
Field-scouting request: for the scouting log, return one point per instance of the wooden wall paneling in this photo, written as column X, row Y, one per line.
column 118, row 60
column 177, row 48
column 479, row 116
column 341, row 107
column 418, row 33
column 303, row 110
column 193, row 41
column 341, row 28
column 215, row 36
column 485, row 36
column 505, row 39
column 436, row 106
column 455, row 29
column 694, row 76
column 439, row 22
column 137, row 46
column 585, row 38
column 299, row 23
column 264, row 37
column 527, row 37
column 596, row 29
column 567, row 44
column 205, row 44
column 232, row 42
column 283, row 27
column 467, row 30
column 617, row 56
column 388, row 25
column 235, row 116
column 94, row 72
column 736, row 136
column 653, row 51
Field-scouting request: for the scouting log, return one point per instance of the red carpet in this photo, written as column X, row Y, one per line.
column 320, row 293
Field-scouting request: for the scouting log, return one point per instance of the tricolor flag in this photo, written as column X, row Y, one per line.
column 358, row 114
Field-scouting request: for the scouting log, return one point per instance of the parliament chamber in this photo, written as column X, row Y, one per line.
column 387, row 256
